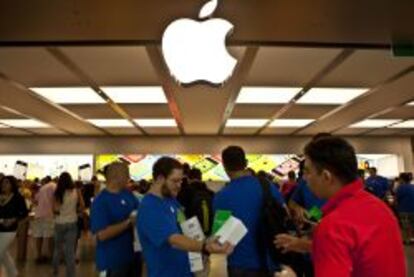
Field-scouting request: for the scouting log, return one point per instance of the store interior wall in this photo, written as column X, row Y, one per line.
column 401, row 146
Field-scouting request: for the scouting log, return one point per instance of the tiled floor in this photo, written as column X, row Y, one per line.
column 86, row 267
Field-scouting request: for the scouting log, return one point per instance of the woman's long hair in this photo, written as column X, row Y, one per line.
column 13, row 182
column 65, row 182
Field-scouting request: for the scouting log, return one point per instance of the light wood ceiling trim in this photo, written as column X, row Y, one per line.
column 31, row 105
column 234, row 86
column 337, row 61
column 71, row 66
column 362, row 108
column 396, row 131
column 168, row 84
column 12, row 111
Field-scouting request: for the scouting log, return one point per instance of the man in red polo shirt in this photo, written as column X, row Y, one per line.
column 358, row 235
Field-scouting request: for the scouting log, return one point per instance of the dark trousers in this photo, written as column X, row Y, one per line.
column 133, row 269
column 238, row 272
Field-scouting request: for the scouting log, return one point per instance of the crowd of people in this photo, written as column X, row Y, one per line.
column 327, row 219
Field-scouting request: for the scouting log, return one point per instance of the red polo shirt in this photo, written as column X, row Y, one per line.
column 358, row 236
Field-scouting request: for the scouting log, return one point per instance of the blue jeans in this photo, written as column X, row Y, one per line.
column 65, row 239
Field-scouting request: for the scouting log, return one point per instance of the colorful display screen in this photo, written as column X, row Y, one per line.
column 39, row 166
column 210, row 165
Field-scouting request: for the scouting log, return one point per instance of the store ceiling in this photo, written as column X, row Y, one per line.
column 294, row 44
column 201, row 108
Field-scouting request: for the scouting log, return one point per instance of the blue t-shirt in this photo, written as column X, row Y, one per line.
column 157, row 221
column 378, row 185
column 244, row 198
column 405, row 198
column 305, row 198
column 109, row 209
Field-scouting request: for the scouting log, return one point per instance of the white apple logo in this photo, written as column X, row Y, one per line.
column 195, row 51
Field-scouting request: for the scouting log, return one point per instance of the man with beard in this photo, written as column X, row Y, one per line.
column 164, row 246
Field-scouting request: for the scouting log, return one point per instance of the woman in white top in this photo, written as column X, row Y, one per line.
column 67, row 199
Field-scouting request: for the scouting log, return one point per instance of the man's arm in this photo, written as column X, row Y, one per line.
column 114, row 230
column 290, row 243
column 186, row 244
column 101, row 225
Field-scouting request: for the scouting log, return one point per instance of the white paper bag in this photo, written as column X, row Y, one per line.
column 232, row 231
column 192, row 228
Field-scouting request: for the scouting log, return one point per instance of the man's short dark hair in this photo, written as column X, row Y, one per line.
column 234, row 158
column 406, row 177
column 291, row 174
column 186, row 169
column 195, row 174
column 336, row 155
column 321, row 135
column 164, row 167
column 361, row 173
column 251, row 170
column 373, row 169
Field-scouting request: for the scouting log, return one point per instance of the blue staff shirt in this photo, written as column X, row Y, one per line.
column 243, row 197
column 157, row 221
column 109, row 209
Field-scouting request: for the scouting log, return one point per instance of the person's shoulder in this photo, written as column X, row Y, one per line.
column 384, row 179
column 150, row 206
column 18, row 197
column 368, row 205
column 128, row 193
column 101, row 197
column 369, row 179
column 148, row 200
column 401, row 187
column 301, row 183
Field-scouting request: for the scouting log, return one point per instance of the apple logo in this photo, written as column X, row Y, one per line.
column 195, row 51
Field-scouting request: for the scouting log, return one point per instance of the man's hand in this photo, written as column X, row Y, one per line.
column 290, row 243
column 286, row 272
column 299, row 215
column 133, row 217
column 213, row 247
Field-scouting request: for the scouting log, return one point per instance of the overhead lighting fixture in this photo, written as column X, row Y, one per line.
column 110, row 123
column 70, row 95
column 266, row 95
column 331, row 96
column 24, row 123
column 289, row 123
column 156, row 122
column 374, row 123
column 406, row 124
column 136, row 95
column 246, row 123
column 411, row 104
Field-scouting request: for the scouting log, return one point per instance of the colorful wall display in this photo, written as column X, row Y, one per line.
column 39, row 166
column 211, row 166
column 81, row 166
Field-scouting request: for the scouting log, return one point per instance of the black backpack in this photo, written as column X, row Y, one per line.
column 274, row 220
column 201, row 206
